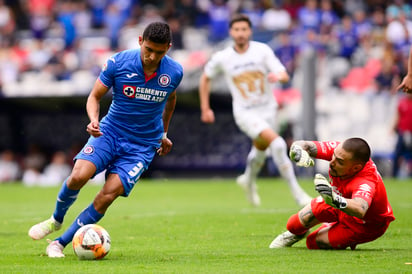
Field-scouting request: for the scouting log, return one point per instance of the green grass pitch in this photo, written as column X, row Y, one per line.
column 196, row 226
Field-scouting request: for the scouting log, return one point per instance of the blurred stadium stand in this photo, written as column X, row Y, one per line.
column 44, row 80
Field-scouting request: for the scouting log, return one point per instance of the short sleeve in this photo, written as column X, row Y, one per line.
column 108, row 72
column 213, row 67
column 364, row 190
column 272, row 62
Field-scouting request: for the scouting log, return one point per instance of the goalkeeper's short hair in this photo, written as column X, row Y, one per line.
column 359, row 148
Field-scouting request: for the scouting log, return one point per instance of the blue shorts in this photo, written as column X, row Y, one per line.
column 117, row 155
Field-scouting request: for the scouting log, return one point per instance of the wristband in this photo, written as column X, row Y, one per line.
column 164, row 136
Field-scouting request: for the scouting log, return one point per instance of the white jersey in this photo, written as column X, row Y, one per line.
column 246, row 73
column 254, row 105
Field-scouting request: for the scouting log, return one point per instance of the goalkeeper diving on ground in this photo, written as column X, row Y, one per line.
column 352, row 208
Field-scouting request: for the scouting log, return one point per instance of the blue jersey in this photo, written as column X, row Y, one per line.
column 138, row 101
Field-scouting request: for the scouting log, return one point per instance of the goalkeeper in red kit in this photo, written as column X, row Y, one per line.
column 352, row 208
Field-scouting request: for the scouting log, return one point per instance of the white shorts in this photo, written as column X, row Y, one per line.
column 252, row 121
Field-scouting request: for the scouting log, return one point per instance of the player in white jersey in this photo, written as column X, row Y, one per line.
column 249, row 67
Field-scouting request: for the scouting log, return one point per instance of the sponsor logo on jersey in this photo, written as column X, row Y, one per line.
column 129, row 91
column 88, row 150
column 131, row 75
column 364, row 190
column 164, row 80
column 104, row 67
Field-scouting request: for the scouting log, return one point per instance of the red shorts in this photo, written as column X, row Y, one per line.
column 345, row 230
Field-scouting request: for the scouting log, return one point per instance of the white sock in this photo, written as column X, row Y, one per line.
column 255, row 160
column 279, row 154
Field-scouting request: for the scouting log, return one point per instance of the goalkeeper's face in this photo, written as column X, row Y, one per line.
column 342, row 164
column 240, row 33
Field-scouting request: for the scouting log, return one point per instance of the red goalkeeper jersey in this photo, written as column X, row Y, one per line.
column 366, row 184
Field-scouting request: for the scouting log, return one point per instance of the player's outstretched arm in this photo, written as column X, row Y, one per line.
column 301, row 153
column 207, row 114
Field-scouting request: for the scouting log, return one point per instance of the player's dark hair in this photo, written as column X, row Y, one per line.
column 158, row 32
column 359, row 148
column 240, row 18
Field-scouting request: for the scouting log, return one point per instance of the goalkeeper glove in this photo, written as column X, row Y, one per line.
column 300, row 156
column 329, row 196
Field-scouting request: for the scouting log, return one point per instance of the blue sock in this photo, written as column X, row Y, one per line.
column 65, row 199
column 88, row 216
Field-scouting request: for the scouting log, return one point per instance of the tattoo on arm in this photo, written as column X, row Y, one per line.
column 311, row 149
column 309, row 146
column 364, row 204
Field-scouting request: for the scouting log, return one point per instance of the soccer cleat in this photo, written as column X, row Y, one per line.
column 286, row 239
column 54, row 249
column 42, row 229
column 250, row 188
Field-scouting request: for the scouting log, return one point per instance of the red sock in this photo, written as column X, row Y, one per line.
column 295, row 226
column 311, row 240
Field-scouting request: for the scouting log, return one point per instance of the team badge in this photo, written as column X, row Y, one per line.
column 88, row 150
column 129, row 91
column 164, row 80
column 104, row 67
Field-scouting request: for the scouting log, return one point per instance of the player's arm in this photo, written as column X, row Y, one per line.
column 355, row 207
column 93, row 107
column 302, row 152
column 207, row 115
column 282, row 77
column 406, row 84
column 166, row 143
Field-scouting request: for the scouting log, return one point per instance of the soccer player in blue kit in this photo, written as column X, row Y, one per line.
column 124, row 142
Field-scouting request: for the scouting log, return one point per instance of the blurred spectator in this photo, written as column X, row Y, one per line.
column 150, row 14
column 310, row 41
column 347, row 38
column 177, row 37
column 66, row 18
column 309, row 16
column 56, row 171
column 113, row 21
column 361, row 23
column 328, row 17
column 186, row 12
column 276, row 19
column 41, row 16
column 219, row 16
column 286, row 52
column 33, row 164
column 97, row 8
column 254, row 10
column 402, row 163
column 292, row 7
column 38, row 56
column 399, row 29
column 9, row 167
column 351, row 6
column 82, row 19
column 7, row 25
column 388, row 78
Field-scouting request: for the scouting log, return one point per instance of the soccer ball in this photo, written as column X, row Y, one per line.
column 91, row 242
